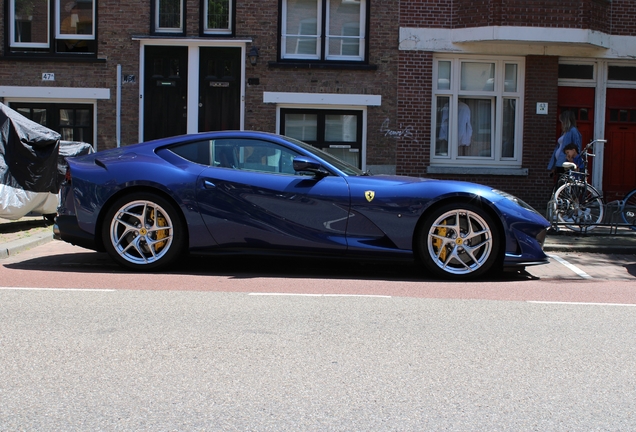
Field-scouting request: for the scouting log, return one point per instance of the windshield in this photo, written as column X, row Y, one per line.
column 332, row 160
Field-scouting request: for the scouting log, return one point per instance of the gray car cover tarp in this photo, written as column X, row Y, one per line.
column 32, row 165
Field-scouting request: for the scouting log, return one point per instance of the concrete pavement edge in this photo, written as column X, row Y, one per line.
column 20, row 245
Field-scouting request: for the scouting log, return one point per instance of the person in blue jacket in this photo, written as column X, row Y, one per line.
column 570, row 135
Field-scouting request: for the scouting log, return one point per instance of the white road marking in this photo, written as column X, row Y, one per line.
column 318, row 295
column 572, row 267
column 54, row 289
column 582, row 303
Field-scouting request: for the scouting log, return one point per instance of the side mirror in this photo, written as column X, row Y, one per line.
column 306, row 163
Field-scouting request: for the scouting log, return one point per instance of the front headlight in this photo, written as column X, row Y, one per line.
column 516, row 200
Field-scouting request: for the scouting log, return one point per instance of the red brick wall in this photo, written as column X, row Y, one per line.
column 584, row 14
column 601, row 15
column 426, row 13
column 623, row 17
column 414, row 112
column 539, row 130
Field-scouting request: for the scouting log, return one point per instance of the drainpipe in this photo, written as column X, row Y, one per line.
column 118, row 102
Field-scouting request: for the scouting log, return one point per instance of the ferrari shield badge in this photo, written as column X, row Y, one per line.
column 369, row 195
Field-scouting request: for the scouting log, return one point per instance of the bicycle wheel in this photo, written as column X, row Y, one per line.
column 628, row 209
column 579, row 206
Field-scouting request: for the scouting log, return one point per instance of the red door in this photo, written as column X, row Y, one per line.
column 581, row 101
column 619, row 173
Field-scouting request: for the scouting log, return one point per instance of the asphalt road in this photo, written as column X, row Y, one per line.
column 234, row 345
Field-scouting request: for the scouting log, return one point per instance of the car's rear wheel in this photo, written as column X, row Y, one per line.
column 143, row 231
column 459, row 241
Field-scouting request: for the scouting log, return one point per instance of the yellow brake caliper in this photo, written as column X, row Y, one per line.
column 438, row 243
column 161, row 221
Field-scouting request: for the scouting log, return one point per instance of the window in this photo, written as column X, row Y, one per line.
column 217, row 17
column 477, row 111
column 52, row 26
column 576, row 71
column 621, row 73
column 168, row 17
column 323, row 30
column 337, row 132
column 243, row 154
column 73, row 121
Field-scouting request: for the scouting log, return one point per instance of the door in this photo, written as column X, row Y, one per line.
column 252, row 199
column 219, row 89
column 165, row 91
column 619, row 172
column 580, row 100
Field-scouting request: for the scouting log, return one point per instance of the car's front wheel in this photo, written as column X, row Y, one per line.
column 142, row 231
column 458, row 241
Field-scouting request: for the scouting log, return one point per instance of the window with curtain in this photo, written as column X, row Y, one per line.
column 476, row 111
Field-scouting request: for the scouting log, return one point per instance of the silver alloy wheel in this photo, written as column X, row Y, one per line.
column 141, row 232
column 460, row 242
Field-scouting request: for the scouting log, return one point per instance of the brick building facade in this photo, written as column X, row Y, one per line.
column 511, row 67
column 372, row 81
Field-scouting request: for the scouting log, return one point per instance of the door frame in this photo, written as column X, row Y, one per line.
column 193, row 46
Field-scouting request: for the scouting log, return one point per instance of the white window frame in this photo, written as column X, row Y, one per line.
column 58, row 23
column 227, row 30
column 12, row 29
column 285, row 34
column 360, row 38
column 326, row 56
column 159, row 29
column 497, row 95
column 575, row 82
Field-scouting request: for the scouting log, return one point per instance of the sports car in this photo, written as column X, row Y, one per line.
column 254, row 193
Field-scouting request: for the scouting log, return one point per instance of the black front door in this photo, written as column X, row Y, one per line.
column 165, row 91
column 219, row 89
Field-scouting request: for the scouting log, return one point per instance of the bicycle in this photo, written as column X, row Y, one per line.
column 575, row 203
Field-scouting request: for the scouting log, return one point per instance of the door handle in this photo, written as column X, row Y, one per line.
column 208, row 184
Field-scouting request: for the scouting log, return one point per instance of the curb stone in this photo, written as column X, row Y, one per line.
column 20, row 245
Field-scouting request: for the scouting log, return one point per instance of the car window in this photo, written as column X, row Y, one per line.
column 197, row 152
column 237, row 153
column 253, row 155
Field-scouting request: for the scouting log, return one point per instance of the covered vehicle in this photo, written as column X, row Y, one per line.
column 32, row 165
column 246, row 192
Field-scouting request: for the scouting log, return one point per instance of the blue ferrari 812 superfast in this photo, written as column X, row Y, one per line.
column 256, row 193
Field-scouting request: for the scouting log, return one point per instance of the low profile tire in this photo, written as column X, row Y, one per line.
column 459, row 241
column 143, row 231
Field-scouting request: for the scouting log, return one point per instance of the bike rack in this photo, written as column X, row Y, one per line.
column 612, row 220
